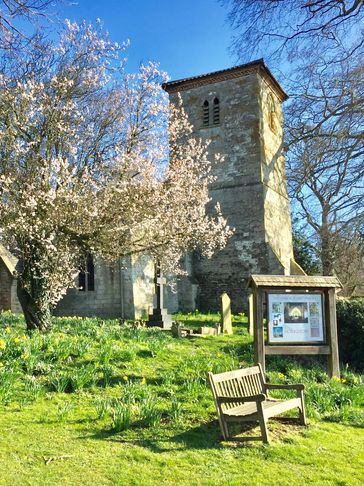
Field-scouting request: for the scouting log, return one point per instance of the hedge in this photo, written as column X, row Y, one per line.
column 350, row 321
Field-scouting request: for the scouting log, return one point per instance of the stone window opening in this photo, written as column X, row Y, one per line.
column 86, row 276
column 206, row 114
column 272, row 113
column 216, row 112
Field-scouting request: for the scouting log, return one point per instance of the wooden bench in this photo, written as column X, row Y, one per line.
column 242, row 396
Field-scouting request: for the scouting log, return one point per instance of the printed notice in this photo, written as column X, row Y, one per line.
column 295, row 318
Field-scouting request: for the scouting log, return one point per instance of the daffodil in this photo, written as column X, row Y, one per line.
column 2, row 344
column 143, row 381
column 125, row 378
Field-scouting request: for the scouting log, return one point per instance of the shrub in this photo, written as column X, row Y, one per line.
column 350, row 320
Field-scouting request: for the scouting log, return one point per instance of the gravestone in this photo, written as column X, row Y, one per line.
column 160, row 316
column 226, row 324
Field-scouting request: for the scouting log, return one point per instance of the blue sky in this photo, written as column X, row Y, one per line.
column 187, row 37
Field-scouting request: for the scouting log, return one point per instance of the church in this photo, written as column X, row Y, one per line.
column 240, row 111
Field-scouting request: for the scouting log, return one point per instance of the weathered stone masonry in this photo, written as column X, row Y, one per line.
column 8, row 295
column 250, row 183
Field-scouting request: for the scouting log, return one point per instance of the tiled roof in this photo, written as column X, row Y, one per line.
column 216, row 76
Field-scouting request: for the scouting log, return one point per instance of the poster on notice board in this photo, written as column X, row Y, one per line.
column 295, row 318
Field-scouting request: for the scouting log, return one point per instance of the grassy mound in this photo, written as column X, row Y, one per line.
column 97, row 402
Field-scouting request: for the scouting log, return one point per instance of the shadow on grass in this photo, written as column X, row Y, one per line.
column 202, row 437
column 206, row 436
column 355, row 422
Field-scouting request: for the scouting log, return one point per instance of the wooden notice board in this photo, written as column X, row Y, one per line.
column 300, row 315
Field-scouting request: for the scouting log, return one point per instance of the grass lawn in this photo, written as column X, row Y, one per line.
column 96, row 403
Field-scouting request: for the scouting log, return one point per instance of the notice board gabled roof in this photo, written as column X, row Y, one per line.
column 299, row 281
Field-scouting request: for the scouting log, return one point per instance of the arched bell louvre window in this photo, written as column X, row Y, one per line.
column 216, row 112
column 206, row 113
column 86, row 277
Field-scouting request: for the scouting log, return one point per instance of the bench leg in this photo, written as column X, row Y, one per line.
column 263, row 424
column 224, row 428
column 226, row 432
column 302, row 412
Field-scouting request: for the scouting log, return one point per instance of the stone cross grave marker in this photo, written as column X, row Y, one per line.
column 160, row 316
column 226, row 324
column 159, row 281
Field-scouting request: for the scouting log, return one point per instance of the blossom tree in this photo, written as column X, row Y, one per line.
column 86, row 166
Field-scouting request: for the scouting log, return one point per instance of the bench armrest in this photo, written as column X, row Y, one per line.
column 253, row 398
column 298, row 386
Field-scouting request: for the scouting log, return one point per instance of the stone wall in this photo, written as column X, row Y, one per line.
column 104, row 301
column 137, row 283
column 15, row 304
column 123, row 289
column 8, row 292
column 277, row 221
column 5, row 287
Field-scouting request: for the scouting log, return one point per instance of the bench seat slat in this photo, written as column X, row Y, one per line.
column 270, row 407
column 228, row 375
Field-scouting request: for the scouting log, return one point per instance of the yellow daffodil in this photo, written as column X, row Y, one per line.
column 125, row 378
column 2, row 344
column 143, row 381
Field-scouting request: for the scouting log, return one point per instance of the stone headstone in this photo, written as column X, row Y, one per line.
column 176, row 329
column 226, row 324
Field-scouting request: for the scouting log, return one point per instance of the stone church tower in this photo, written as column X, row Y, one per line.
column 240, row 111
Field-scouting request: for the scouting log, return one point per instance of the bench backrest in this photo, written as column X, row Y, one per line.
column 238, row 383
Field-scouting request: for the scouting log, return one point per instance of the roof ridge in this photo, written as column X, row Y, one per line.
column 232, row 71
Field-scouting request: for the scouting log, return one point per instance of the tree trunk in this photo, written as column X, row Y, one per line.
column 34, row 300
column 327, row 257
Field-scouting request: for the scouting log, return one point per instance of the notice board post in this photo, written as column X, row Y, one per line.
column 300, row 317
